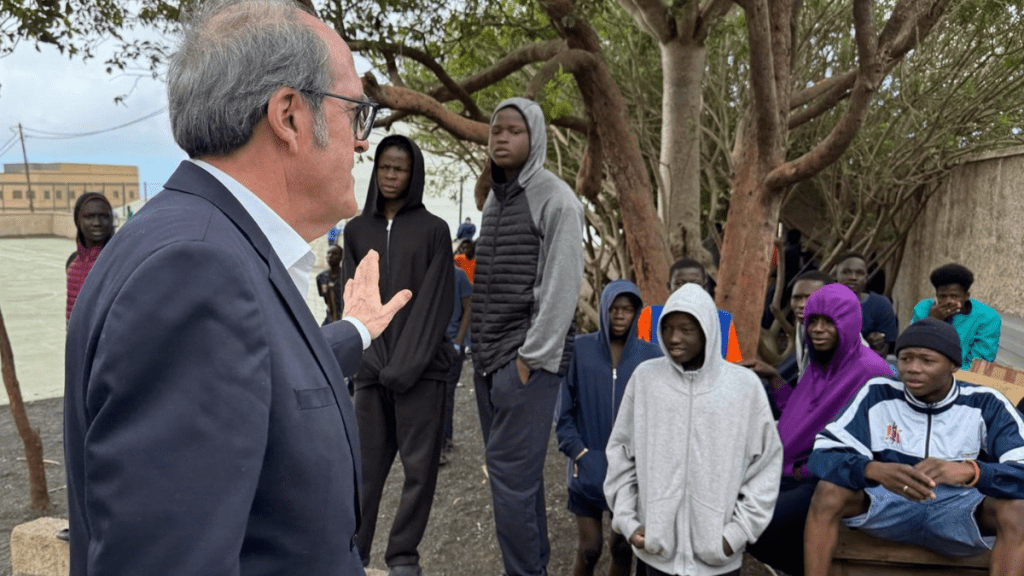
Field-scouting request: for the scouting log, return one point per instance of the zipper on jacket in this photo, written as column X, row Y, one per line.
column 387, row 255
column 686, row 460
column 928, row 436
column 615, row 378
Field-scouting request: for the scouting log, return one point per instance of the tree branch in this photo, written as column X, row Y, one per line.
column 838, row 93
column 762, row 75
column 398, row 98
column 869, row 75
column 711, row 13
column 806, row 95
column 653, row 17
column 571, row 61
column 428, row 61
column 909, row 36
column 396, row 77
column 572, row 123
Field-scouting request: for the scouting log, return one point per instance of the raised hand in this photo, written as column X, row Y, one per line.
column 362, row 296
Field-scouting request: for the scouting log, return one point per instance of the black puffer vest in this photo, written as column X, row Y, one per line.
column 507, row 253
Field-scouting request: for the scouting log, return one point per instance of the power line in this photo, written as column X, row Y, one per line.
column 8, row 146
column 48, row 135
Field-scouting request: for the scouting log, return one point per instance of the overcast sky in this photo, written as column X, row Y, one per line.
column 46, row 91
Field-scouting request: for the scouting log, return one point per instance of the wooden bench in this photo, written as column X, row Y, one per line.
column 858, row 554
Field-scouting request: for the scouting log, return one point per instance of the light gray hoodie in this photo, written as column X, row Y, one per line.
column 694, row 456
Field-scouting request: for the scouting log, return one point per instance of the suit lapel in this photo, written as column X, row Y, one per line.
column 192, row 179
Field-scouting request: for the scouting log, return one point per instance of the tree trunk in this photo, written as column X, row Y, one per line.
column 33, row 445
column 747, row 248
column 682, row 63
column 640, row 223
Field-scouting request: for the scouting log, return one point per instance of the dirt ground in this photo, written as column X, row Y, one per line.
column 460, row 538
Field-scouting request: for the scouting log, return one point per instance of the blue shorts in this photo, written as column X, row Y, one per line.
column 581, row 505
column 946, row 525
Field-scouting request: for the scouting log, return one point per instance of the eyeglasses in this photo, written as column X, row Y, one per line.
column 365, row 113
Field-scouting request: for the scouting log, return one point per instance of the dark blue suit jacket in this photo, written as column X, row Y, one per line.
column 207, row 427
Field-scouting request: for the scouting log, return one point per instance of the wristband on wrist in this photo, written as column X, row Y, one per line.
column 977, row 474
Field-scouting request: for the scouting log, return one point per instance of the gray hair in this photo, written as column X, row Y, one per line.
column 234, row 54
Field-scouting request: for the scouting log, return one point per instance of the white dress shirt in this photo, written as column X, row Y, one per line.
column 293, row 251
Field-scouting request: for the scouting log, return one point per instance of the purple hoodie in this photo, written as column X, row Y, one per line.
column 824, row 390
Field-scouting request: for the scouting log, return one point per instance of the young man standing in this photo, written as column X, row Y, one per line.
column 400, row 388
column 457, row 336
column 465, row 258
column 529, row 266
column 329, row 284
column 601, row 365
column 687, row 271
column 977, row 324
column 879, row 327
column 927, row 460
column 694, row 457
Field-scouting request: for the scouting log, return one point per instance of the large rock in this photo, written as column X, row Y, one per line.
column 36, row 550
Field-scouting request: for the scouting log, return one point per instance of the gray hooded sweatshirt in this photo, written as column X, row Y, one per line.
column 694, row 455
column 529, row 262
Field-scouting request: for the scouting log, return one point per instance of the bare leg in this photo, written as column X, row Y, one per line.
column 830, row 504
column 622, row 555
column 588, row 550
column 1005, row 518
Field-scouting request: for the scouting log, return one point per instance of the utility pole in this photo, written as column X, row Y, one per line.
column 461, row 184
column 24, row 157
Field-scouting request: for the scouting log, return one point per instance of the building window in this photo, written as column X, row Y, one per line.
column 60, row 195
column 71, row 195
column 117, row 194
column 16, row 195
column 46, row 194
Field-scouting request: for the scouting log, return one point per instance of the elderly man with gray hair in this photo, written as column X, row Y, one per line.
column 208, row 430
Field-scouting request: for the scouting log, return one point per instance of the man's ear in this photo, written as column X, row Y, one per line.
column 285, row 111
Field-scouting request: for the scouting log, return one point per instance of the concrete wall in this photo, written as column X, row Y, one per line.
column 977, row 220
column 37, row 224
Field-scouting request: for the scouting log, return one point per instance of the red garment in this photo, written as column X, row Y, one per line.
column 468, row 266
column 78, row 270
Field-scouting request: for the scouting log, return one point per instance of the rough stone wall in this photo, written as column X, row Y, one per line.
column 977, row 220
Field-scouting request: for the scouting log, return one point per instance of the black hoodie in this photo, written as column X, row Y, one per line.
column 415, row 253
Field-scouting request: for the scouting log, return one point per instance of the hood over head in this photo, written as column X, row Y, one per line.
column 538, row 139
column 825, row 389
column 694, row 300
column 612, row 291
column 413, row 198
column 839, row 303
column 79, row 237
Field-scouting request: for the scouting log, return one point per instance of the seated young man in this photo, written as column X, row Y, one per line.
column 687, row 271
column 840, row 364
column 928, row 461
column 879, row 328
column 977, row 323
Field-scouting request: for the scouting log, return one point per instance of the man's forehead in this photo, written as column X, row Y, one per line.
column 919, row 351
column 807, row 287
column 852, row 263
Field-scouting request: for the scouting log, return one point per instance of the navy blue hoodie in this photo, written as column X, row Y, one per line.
column 592, row 390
